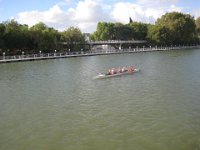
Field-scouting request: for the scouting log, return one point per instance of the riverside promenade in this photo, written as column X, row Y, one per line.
column 43, row 56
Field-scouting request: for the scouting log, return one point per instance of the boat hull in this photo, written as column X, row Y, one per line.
column 102, row 76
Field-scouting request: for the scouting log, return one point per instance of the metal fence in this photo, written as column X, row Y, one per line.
column 41, row 56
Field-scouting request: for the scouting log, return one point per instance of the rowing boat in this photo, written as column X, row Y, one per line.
column 102, row 76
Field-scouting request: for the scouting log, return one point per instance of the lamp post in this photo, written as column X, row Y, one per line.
column 22, row 54
column 81, row 51
column 55, row 52
column 4, row 55
column 40, row 53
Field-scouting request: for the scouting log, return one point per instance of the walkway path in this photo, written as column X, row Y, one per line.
column 7, row 59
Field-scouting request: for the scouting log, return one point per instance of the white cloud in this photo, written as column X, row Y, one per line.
column 53, row 15
column 196, row 13
column 175, row 8
column 155, row 3
column 88, row 11
column 143, row 10
column 85, row 14
column 136, row 12
column 129, row 10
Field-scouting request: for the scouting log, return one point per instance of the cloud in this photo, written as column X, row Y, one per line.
column 175, row 8
column 155, row 3
column 88, row 11
column 53, row 16
column 85, row 14
column 196, row 13
column 143, row 10
column 136, row 12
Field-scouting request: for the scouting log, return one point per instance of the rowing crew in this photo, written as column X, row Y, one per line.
column 120, row 70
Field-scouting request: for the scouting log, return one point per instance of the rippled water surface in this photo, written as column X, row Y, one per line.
column 57, row 105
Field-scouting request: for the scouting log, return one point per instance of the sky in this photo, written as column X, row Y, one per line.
column 85, row 14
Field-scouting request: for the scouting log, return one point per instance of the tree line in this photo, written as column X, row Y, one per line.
column 171, row 29
column 16, row 38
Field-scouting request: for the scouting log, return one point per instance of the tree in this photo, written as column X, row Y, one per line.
column 105, row 31
column 74, row 37
column 139, row 30
column 2, row 34
column 122, row 32
column 181, row 27
column 110, row 31
column 16, row 36
column 44, row 38
column 197, row 22
column 158, row 34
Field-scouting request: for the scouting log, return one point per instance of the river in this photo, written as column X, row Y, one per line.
column 57, row 105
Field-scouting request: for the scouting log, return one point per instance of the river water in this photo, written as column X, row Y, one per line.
column 57, row 105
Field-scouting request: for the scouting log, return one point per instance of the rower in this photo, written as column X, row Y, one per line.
column 112, row 70
column 109, row 72
column 123, row 69
column 120, row 69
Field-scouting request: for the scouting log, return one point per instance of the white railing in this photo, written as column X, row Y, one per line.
column 41, row 56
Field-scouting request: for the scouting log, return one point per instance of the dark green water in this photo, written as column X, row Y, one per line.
column 56, row 104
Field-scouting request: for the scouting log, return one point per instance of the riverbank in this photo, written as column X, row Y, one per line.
column 34, row 57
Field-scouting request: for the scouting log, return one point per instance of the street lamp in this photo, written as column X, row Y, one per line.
column 81, row 50
column 22, row 54
column 4, row 55
column 69, row 50
column 55, row 52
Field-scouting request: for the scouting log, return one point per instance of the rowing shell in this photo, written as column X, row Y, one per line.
column 102, row 76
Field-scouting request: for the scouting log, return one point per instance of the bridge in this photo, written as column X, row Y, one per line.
column 107, row 42
column 117, row 43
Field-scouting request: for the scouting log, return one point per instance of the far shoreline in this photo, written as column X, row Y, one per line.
column 45, row 56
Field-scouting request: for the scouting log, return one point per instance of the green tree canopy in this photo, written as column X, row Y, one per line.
column 2, row 34
column 181, row 27
column 105, row 31
column 197, row 22
column 16, row 35
column 73, row 35
column 158, row 34
column 44, row 38
column 139, row 30
column 118, row 31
